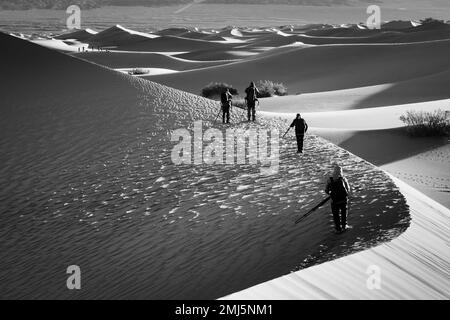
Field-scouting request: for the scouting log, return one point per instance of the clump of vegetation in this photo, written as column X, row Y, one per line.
column 239, row 103
column 269, row 88
column 138, row 71
column 215, row 89
column 426, row 124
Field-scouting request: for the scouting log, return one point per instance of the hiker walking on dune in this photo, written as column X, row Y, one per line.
column 339, row 189
column 301, row 127
column 251, row 97
column 225, row 99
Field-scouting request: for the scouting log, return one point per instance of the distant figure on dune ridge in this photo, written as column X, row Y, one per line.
column 301, row 127
column 339, row 189
column 225, row 99
column 251, row 98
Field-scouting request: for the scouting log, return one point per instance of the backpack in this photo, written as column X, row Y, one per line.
column 224, row 97
column 338, row 189
column 251, row 94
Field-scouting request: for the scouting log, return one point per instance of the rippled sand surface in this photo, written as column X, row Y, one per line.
column 87, row 179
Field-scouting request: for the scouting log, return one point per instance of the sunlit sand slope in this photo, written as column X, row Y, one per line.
column 412, row 266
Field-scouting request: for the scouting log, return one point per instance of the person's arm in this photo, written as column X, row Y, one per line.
column 327, row 188
column 293, row 123
column 306, row 127
column 347, row 186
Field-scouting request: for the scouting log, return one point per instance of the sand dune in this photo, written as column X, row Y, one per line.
column 399, row 25
column 172, row 43
column 325, row 68
column 117, row 36
column 80, row 35
column 87, row 178
column 377, row 135
column 423, row 89
column 190, row 34
column 134, row 59
column 421, row 162
column 364, row 119
column 413, row 266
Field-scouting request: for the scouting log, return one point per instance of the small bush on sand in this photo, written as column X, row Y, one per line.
column 280, row 89
column 423, row 124
column 240, row 103
column 138, row 71
column 215, row 89
column 269, row 88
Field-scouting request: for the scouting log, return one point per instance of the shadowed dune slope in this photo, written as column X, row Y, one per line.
column 422, row 89
column 80, row 35
column 324, row 68
column 115, row 37
column 154, row 60
column 189, row 34
column 172, row 44
column 87, row 178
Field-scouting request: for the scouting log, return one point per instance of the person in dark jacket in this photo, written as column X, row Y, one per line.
column 301, row 127
column 225, row 99
column 251, row 95
column 339, row 189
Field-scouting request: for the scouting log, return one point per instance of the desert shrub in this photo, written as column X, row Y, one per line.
column 280, row 89
column 421, row 123
column 240, row 103
column 269, row 88
column 138, row 71
column 215, row 89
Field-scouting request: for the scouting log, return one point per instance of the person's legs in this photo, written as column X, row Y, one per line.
column 343, row 214
column 254, row 112
column 250, row 110
column 228, row 115
column 335, row 211
column 300, row 142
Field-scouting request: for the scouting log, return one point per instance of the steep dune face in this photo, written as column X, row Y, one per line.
column 116, row 37
column 174, row 44
column 120, row 38
column 190, row 34
column 423, row 89
column 80, row 35
column 324, row 68
column 87, row 178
